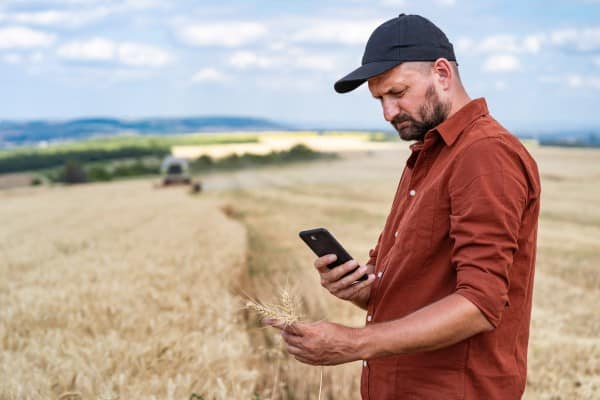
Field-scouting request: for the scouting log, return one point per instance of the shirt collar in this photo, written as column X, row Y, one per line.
column 452, row 127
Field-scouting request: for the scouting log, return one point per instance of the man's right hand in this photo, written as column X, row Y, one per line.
column 342, row 287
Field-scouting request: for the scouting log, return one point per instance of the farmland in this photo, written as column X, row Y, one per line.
column 118, row 147
column 121, row 290
column 126, row 156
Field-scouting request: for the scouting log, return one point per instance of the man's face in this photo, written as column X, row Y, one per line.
column 409, row 99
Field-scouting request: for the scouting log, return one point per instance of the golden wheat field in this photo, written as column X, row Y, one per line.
column 126, row 291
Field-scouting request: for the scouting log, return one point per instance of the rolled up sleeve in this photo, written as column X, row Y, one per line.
column 488, row 195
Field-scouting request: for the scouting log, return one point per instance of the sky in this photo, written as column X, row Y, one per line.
column 537, row 63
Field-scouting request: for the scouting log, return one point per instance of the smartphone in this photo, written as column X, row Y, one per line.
column 321, row 242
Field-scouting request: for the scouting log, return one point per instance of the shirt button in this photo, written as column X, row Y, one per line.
column 412, row 193
column 396, row 234
column 364, row 363
column 369, row 318
column 379, row 274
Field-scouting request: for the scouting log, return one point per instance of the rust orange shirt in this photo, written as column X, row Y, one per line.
column 464, row 220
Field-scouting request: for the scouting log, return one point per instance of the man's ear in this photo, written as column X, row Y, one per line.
column 443, row 73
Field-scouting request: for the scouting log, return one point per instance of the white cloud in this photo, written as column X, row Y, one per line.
column 142, row 55
column 336, row 31
column 127, row 53
column 95, row 49
column 587, row 39
column 581, row 82
column 447, row 3
column 36, row 57
column 12, row 58
column 248, row 59
column 21, row 37
column 141, row 4
column 57, row 17
column 549, row 79
column 209, row 75
column 393, row 3
column 533, row 43
column 30, row 59
column 501, row 63
column 316, row 62
column 505, row 43
column 573, row 81
column 77, row 13
column 228, row 34
column 286, row 57
column 573, row 39
column 464, row 44
column 286, row 83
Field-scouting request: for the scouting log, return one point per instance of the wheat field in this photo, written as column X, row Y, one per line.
column 126, row 291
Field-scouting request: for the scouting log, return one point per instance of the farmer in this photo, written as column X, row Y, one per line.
column 448, row 299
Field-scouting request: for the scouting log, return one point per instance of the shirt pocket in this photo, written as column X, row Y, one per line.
column 415, row 228
column 413, row 237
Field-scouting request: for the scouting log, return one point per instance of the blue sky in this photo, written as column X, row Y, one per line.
column 536, row 62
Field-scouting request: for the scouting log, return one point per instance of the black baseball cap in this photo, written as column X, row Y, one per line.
column 404, row 38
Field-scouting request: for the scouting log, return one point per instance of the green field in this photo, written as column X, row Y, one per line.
column 119, row 141
column 45, row 158
column 125, row 156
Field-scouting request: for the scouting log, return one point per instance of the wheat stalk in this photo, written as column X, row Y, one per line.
column 285, row 312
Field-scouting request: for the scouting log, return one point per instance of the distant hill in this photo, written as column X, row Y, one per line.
column 571, row 139
column 14, row 133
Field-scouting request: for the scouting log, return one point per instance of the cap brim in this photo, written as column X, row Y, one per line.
column 360, row 75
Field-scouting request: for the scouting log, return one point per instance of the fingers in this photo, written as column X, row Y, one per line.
column 336, row 280
column 292, row 336
column 301, row 357
column 275, row 323
column 348, row 281
column 333, row 275
column 321, row 263
column 350, row 292
column 292, row 339
column 294, row 329
column 295, row 348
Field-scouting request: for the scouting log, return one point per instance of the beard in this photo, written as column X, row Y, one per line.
column 431, row 113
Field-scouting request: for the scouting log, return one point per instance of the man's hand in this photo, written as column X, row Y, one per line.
column 319, row 343
column 441, row 324
column 342, row 287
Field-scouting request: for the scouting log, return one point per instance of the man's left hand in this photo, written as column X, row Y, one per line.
column 319, row 343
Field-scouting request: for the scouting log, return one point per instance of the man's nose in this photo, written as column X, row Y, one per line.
column 390, row 109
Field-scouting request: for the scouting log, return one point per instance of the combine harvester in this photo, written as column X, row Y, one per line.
column 175, row 172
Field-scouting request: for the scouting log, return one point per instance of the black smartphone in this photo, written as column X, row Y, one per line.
column 321, row 242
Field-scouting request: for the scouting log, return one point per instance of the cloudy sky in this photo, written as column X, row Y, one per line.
column 536, row 62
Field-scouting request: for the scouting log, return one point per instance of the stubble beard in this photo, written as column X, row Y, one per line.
column 432, row 113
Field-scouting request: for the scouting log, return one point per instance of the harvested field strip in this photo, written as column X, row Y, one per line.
column 277, row 258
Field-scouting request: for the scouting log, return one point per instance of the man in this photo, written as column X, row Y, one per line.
column 449, row 293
